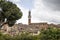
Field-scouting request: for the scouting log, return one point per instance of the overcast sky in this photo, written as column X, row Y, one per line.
column 41, row 10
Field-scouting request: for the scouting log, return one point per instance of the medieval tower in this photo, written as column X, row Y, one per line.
column 29, row 18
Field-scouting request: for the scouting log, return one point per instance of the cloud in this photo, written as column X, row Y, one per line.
column 15, row 1
column 43, row 10
column 52, row 4
column 46, row 11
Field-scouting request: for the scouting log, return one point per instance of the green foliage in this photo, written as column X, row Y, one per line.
column 5, row 37
column 10, row 12
column 18, row 37
column 50, row 34
column 25, row 36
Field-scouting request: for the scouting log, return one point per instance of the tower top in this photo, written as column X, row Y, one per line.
column 29, row 17
column 29, row 11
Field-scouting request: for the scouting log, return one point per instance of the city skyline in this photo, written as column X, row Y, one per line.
column 41, row 10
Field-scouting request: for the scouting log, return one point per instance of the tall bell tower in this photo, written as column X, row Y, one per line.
column 29, row 17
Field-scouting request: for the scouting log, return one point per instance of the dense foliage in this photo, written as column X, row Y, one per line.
column 48, row 34
column 10, row 12
column 18, row 37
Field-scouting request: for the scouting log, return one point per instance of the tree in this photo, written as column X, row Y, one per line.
column 9, row 13
column 50, row 34
column 23, row 36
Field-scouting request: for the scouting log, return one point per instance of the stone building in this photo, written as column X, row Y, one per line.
column 31, row 27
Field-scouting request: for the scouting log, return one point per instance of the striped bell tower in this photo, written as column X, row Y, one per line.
column 29, row 17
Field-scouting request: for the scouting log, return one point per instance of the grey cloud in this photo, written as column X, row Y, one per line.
column 52, row 4
column 55, row 20
column 51, row 19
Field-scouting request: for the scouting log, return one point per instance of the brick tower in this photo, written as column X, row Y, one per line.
column 29, row 18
